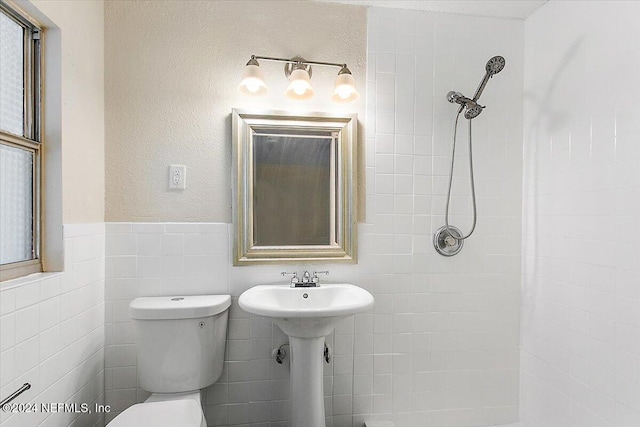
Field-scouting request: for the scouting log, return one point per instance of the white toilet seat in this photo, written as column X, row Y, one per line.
column 183, row 413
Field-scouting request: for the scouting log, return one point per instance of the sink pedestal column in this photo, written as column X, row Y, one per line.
column 307, row 396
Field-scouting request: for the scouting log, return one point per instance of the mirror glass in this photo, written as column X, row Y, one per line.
column 294, row 194
column 293, row 189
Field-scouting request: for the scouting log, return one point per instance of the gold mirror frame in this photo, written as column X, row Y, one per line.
column 344, row 249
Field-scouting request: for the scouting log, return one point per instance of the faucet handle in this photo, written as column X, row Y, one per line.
column 315, row 278
column 294, row 277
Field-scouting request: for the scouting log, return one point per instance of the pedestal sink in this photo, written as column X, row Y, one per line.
column 307, row 315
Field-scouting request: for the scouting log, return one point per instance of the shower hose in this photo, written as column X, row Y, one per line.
column 473, row 187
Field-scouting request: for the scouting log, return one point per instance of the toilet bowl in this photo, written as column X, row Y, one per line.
column 180, row 347
column 181, row 412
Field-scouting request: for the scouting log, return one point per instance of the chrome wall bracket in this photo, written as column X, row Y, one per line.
column 327, row 353
column 295, row 64
column 445, row 243
column 279, row 354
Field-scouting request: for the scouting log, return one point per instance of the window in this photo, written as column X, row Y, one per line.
column 19, row 144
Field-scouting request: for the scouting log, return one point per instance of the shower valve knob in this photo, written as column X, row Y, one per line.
column 450, row 241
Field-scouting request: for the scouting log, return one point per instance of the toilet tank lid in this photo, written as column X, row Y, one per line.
column 178, row 307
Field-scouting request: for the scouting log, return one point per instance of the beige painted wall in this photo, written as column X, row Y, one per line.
column 171, row 75
column 74, row 116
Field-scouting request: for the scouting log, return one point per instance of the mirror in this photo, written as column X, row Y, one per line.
column 294, row 187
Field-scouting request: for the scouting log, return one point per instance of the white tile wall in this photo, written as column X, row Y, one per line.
column 444, row 329
column 52, row 334
column 581, row 299
column 151, row 259
column 440, row 348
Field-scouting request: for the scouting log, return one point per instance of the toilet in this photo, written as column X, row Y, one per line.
column 180, row 346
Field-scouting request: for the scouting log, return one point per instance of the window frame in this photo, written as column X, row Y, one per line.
column 31, row 139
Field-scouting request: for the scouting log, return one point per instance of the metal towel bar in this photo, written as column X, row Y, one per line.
column 18, row 392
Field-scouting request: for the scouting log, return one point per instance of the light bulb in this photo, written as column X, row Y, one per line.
column 343, row 92
column 299, row 88
column 253, row 86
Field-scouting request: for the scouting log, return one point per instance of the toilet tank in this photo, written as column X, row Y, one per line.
column 180, row 341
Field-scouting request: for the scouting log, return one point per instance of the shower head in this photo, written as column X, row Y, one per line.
column 473, row 110
column 495, row 65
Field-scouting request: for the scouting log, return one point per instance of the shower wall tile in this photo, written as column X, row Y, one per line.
column 52, row 333
column 580, row 341
column 445, row 331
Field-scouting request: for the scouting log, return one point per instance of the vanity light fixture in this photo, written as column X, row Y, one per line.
column 299, row 75
column 345, row 90
column 298, row 71
column 253, row 80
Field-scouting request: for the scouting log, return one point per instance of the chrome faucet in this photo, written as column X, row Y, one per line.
column 307, row 280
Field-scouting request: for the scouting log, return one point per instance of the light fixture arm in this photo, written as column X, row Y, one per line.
column 297, row 61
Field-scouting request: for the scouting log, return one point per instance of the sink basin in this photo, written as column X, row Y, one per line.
column 307, row 315
column 306, row 312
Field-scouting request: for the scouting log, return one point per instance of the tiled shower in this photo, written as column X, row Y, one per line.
column 536, row 321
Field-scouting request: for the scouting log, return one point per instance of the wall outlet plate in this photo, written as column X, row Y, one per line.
column 177, row 177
